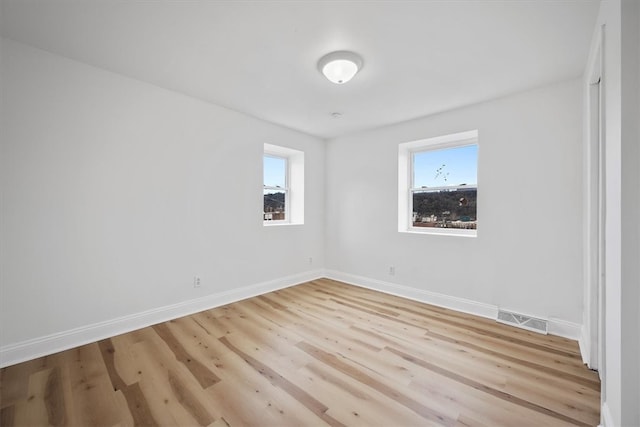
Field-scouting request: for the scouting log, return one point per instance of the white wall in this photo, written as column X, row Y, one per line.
column 115, row 193
column 527, row 256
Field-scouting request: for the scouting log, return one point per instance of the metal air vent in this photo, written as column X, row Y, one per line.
column 522, row 321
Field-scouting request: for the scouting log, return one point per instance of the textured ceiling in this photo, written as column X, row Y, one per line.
column 259, row 57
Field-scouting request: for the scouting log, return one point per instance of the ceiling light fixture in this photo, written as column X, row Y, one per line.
column 340, row 67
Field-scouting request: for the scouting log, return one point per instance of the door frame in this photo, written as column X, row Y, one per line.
column 595, row 239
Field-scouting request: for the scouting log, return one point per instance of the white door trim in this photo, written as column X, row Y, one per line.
column 595, row 210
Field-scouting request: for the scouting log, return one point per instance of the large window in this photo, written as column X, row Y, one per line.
column 283, row 185
column 439, row 186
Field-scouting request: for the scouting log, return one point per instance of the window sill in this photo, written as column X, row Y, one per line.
column 442, row 232
column 279, row 223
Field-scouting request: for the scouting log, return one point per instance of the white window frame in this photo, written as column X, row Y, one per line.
column 406, row 188
column 294, row 184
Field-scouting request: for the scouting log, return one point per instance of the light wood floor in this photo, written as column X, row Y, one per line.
column 319, row 353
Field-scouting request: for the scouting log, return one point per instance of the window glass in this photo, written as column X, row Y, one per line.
column 274, row 205
column 444, row 189
column 275, row 171
column 283, row 186
column 445, row 208
column 446, row 167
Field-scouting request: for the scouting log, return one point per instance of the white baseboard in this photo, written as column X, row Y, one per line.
column 558, row 327
column 584, row 342
column 42, row 346
column 564, row 328
column 454, row 303
column 605, row 416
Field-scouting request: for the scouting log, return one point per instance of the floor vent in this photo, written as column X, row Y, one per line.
column 522, row 321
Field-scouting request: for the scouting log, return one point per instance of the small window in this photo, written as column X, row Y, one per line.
column 276, row 192
column 283, row 186
column 440, row 190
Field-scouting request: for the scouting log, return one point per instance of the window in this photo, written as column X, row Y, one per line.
column 283, row 185
column 276, row 192
column 438, row 185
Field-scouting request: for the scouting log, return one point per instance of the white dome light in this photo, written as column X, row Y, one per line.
column 340, row 67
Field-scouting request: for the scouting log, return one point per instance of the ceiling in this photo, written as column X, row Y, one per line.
column 260, row 57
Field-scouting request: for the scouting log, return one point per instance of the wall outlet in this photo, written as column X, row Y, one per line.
column 310, row 260
column 392, row 270
column 196, row 281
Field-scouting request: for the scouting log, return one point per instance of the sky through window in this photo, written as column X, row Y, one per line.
column 445, row 167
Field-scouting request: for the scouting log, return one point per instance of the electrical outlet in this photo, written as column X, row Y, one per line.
column 310, row 260
column 196, row 281
column 392, row 270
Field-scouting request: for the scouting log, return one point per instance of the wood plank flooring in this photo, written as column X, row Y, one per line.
column 320, row 353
